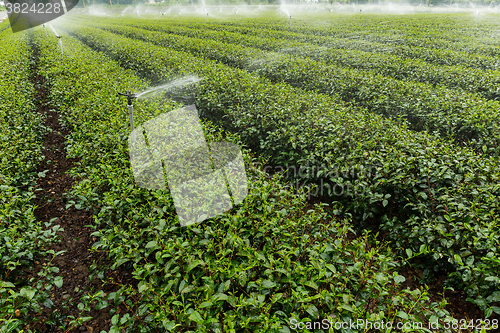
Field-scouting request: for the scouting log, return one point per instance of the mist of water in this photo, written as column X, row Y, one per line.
column 289, row 9
column 61, row 45
column 57, row 35
column 168, row 86
column 98, row 11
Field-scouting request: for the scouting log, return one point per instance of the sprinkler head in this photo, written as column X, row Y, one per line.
column 129, row 96
column 59, row 37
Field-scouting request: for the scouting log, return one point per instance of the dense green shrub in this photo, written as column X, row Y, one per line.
column 269, row 260
column 426, row 193
column 433, row 71
column 439, row 35
column 22, row 238
column 473, row 53
column 465, row 117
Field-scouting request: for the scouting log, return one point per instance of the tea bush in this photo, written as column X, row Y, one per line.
column 476, row 52
column 22, row 237
column 267, row 261
column 426, row 193
column 465, row 117
column 429, row 37
column 484, row 83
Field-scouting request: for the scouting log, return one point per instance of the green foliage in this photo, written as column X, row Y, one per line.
column 270, row 259
column 425, row 192
column 442, row 38
column 454, row 113
column 237, row 53
column 22, row 238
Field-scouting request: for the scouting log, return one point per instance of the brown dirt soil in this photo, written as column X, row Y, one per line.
column 76, row 238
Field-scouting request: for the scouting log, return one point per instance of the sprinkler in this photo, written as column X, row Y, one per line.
column 45, row 30
column 130, row 97
column 290, row 16
column 60, row 44
column 360, row 13
column 153, row 91
column 207, row 17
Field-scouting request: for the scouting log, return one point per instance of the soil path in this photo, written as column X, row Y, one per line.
column 76, row 238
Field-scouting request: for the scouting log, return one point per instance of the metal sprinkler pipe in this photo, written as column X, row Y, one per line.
column 60, row 43
column 290, row 16
column 130, row 107
column 45, row 30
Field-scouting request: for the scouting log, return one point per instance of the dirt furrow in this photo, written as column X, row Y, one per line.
column 75, row 239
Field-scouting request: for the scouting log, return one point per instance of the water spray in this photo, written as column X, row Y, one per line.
column 55, row 33
column 154, row 91
column 130, row 106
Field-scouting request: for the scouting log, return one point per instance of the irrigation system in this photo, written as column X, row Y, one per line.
column 153, row 91
column 58, row 37
column 60, row 44
column 130, row 97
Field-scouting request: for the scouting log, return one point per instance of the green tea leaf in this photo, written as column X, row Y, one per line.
column 196, row 317
column 58, row 281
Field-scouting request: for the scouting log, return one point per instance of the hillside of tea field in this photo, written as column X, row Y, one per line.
column 371, row 147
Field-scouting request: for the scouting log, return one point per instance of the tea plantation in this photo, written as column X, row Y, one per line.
column 371, row 148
